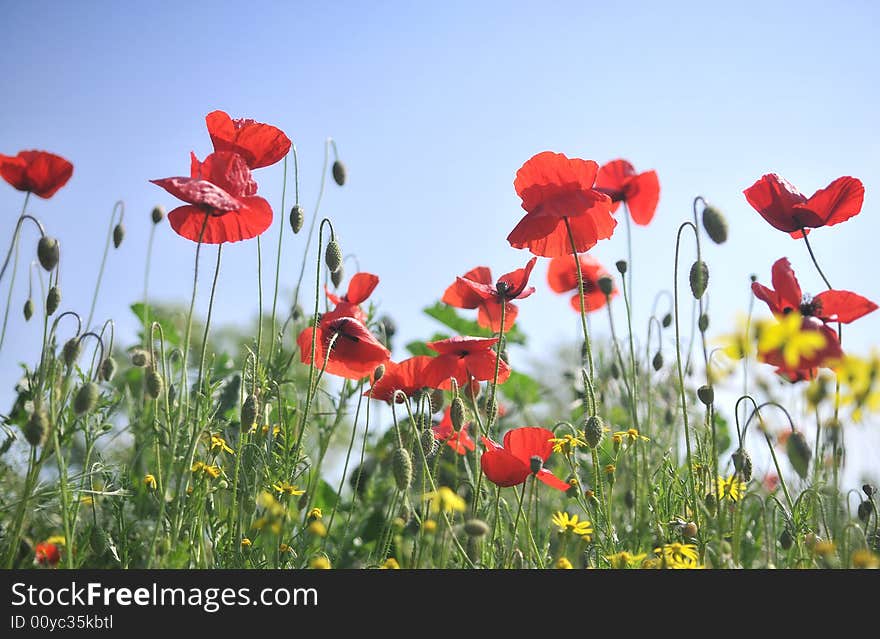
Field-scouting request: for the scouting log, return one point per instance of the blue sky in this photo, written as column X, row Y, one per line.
column 434, row 108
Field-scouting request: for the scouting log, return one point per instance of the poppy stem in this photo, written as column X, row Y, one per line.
column 581, row 297
column 146, row 315
column 815, row 261
column 356, row 488
column 302, row 269
column 519, row 512
column 120, row 206
column 14, row 242
column 260, row 299
column 357, row 413
column 280, row 238
column 492, row 410
column 629, row 259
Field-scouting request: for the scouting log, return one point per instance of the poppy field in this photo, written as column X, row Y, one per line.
column 317, row 441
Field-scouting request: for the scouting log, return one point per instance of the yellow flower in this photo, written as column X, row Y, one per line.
column 58, row 540
column 317, row 528
column 631, row 436
column 245, row 542
column 567, row 444
column 685, row 564
column 739, row 344
column 570, row 523
column 314, row 514
column 677, row 553
column 207, row 469
column 150, row 482
column 212, row 471
column 264, row 429
column 390, row 564
column 563, row 564
column 284, row 549
column 864, row 558
column 219, row 442
column 824, row 548
column 285, row 488
column 319, row 562
column 445, row 499
column 624, row 559
column 275, row 508
column 87, row 500
column 429, row 526
column 197, row 466
column 786, row 335
column 731, row 488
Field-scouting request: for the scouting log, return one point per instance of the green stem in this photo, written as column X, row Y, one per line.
column 121, row 206
column 581, row 297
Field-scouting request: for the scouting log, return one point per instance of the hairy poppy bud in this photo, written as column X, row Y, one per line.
column 53, row 300
column 594, row 429
column 615, row 372
column 706, row 394
column 339, row 173
column 436, row 400
column 140, row 357
column 711, row 502
column 70, row 351
column 703, row 323
column 799, row 453
column 666, row 322
column 715, row 225
column 36, row 428
column 621, row 266
column 303, row 501
column 28, row 310
column 866, row 509
column 336, row 276
column 428, row 442
column 157, row 214
column 118, row 234
column 869, row 490
column 689, row 530
column 458, row 413
column 388, row 326
column 155, row 384
column 786, row 540
column 333, row 256
column 606, row 285
column 249, row 410
column 297, row 218
column 536, row 464
column 108, row 369
column 379, row 372
column 657, row 362
column 48, row 252
column 401, row 467
column 476, row 527
column 742, row 462
column 86, row 398
column 699, row 278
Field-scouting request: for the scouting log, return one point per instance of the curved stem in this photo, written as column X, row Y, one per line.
column 302, row 269
column 146, row 316
column 120, row 205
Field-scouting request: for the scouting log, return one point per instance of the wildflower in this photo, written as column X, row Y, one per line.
column 257, row 143
column 429, row 526
column 554, row 190
column 619, row 180
column 786, row 209
column 355, row 353
column 510, row 465
column 264, row 430
column 37, row 172
column 360, row 287
column 314, row 514
column 677, row 553
column 864, row 558
column 570, row 523
column 319, row 562
column 795, row 343
column 219, row 442
column 317, row 528
column 47, row 554
column 458, row 440
column 562, row 278
column 624, row 559
column 563, row 564
column 824, row 548
column 150, row 482
column 475, row 290
column 390, row 564
column 462, row 358
column 207, row 469
column 631, row 436
column 400, row 380
column 245, row 542
column 730, row 488
column 285, row 488
column 284, row 548
column 87, row 500
column 567, row 444
column 58, row 540
column 444, row 499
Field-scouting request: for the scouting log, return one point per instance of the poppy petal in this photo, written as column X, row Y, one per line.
column 532, row 233
column 552, row 480
column 227, row 170
column 516, row 281
column 461, row 295
column 593, row 300
column 642, row 195
column 406, row 376
column 259, row 144
column 462, row 344
column 194, row 191
column 768, row 296
column 40, row 172
column 251, row 220
column 528, row 441
column 613, row 178
column 562, row 274
column 481, row 366
column 489, row 315
column 774, row 198
column 788, row 291
column 842, row 306
column 502, row 468
column 361, row 287
column 836, row 203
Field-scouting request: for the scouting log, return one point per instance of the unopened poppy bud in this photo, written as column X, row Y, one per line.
column 536, row 464
column 869, row 490
column 458, row 413
column 715, row 224
column 667, row 320
column 703, row 323
column 249, row 410
column 742, row 462
column 866, row 509
column 657, row 362
column 339, row 172
column 36, row 428
column 379, row 372
column 48, row 252
column 98, row 540
column 615, row 372
column 786, row 540
column 157, row 214
column 594, row 429
column 86, row 398
column 428, row 442
column 689, row 530
column 140, row 357
column 28, row 310
column 53, row 300
column 297, row 218
column 711, row 501
column 621, row 266
column 336, row 276
column 799, row 453
column 303, row 501
column 70, row 351
column 155, row 384
column 108, row 369
column 401, row 467
column 118, row 234
column 476, row 527
column 388, row 326
column 699, row 278
column 333, row 256
column 436, row 399
column 606, row 285
column 706, row 394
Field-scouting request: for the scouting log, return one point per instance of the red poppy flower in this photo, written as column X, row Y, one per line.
column 407, row 376
column 641, row 191
column 39, row 172
column 475, row 290
column 828, row 306
column 804, row 368
column 47, row 554
column 786, row 209
column 511, row 464
column 355, row 353
column 562, row 277
column 259, row 144
column 221, row 196
column 459, row 441
column 463, row 358
column 359, row 289
column 554, row 188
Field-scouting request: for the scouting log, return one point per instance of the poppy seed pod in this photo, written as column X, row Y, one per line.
column 621, row 266
column 140, row 357
column 869, row 490
column 536, row 464
column 53, row 300
column 108, row 369
column 689, row 530
column 458, row 413
column 657, row 362
column 401, row 467
column 249, row 411
column 333, row 256
column 157, row 214
column 799, row 453
column 297, row 218
column 703, row 323
column 155, row 384
column 379, row 372
column 36, row 428
column 606, row 285
column 28, row 310
column 48, row 252
column 742, row 462
column 594, row 429
column 118, row 234
column 428, row 442
column 339, row 172
column 86, row 398
column 70, row 351
column 476, row 527
column 866, row 509
column 715, row 224
column 615, row 372
column 786, row 540
column 699, row 278
column 337, row 275
column 666, row 322
column 706, row 394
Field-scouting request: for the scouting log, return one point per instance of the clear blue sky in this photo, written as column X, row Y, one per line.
column 434, row 107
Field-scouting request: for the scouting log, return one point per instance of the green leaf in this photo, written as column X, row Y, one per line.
column 156, row 315
column 421, row 348
column 722, row 433
column 325, row 496
column 521, row 389
column 448, row 316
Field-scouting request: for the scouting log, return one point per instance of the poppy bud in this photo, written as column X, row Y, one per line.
column 401, row 467
column 629, row 498
column 388, row 326
column 336, row 276
column 667, row 320
column 379, row 372
column 108, row 369
column 476, row 527
column 786, row 540
column 53, row 300
column 155, row 384
column 615, row 372
column 333, row 256
column 689, row 530
column 699, row 278
column 869, row 490
column 621, row 266
column 799, row 453
column 657, row 362
column 703, row 323
column 28, row 310
column 536, row 464
column 157, row 214
column 48, row 252
column 297, row 218
column 715, row 224
column 86, row 398
column 458, row 413
column 518, row 560
column 36, row 428
column 97, row 540
column 428, row 443
column 303, row 501
column 491, row 410
column 866, row 509
column 706, row 394
column 505, row 357
column 118, row 234
column 140, row 357
column 742, row 462
column 339, row 172
column 606, row 285
column 436, row 398
column 70, row 351
column 711, row 501
column 249, row 413
column 593, row 431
